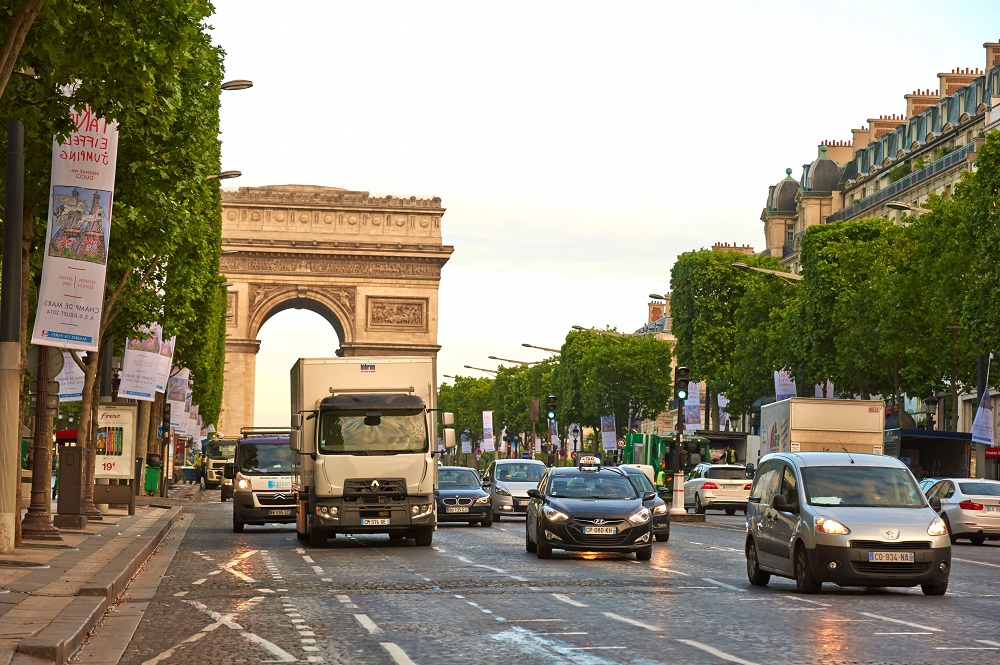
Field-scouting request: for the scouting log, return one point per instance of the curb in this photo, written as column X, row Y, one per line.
column 69, row 630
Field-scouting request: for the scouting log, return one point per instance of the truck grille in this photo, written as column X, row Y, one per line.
column 374, row 487
column 275, row 498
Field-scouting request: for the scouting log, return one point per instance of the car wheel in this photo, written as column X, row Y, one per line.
column 934, row 589
column 237, row 526
column 496, row 516
column 301, row 536
column 756, row 576
column 645, row 554
column 529, row 545
column 662, row 537
column 424, row 537
column 951, row 533
column 977, row 539
column 804, row 580
column 316, row 538
column 487, row 521
column 730, row 511
column 698, row 508
column 542, row 549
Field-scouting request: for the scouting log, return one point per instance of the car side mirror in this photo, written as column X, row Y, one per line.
column 750, row 470
column 781, row 504
column 648, row 496
column 437, row 492
column 487, row 481
column 936, row 504
column 534, row 494
column 229, row 471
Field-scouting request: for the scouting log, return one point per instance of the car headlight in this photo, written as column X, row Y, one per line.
column 937, row 528
column 554, row 515
column 660, row 509
column 502, row 491
column 639, row 517
column 243, row 483
column 483, row 499
column 831, row 526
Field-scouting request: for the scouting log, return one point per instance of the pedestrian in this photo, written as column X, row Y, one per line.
column 661, row 476
column 55, row 473
column 199, row 468
column 729, row 455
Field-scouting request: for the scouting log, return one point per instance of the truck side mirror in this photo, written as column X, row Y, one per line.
column 447, row 418
column 229, row 471
column 293, row 440
column 449, row 438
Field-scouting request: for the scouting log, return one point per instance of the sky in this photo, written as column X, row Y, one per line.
column 578, row 147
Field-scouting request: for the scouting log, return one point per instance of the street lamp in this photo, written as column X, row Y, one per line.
column 508, row 360
column 481, row 369
column 790, row 276
column 899, row 205
column 930, row 402
column 225, row 175
column 236, row 84
column 657, row 296
column 609, row 333
column 532, row 346
column 574, row 431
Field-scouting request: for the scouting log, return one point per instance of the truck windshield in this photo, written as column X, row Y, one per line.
column 265, row 458
column 347, row 432
column 861, row 486
column 220, row 450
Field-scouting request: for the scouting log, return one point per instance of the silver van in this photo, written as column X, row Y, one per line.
column 851, row 519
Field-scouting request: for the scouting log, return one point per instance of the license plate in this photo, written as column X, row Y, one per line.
column 993, row 509
column 374, row 522
column 890, row 557
column 523, row 503
column 600, row 530
column 457, row 509
column 275, row 513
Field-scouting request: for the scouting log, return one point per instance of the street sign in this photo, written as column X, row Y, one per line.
column 55, row 364
column 621, row 443
column 573, row 454
column 528, row 455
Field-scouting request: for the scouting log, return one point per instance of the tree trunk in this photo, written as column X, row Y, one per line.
column 142, row 441
column 17, row 31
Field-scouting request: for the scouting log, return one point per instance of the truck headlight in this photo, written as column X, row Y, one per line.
column 243, row 483
column 421, row 510
column 937, row 528
column 831, row 526
column 640, row 517
column 326, row 511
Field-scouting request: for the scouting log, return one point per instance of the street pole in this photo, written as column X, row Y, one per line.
column 10, row 337
column 677, row 496
column 37, row 523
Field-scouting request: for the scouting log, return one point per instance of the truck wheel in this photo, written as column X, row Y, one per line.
column 237, row 526
column 424, row 537
column 301, row 536
column 316, row 538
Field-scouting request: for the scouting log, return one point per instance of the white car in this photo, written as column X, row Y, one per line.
column 970, row 506
column 718, row 486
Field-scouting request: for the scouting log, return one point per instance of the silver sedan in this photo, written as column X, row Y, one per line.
column 970, row 506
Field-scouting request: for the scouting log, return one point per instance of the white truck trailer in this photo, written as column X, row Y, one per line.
column 804, row 424
column 364, row 434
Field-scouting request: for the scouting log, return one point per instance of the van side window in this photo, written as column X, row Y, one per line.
column 766, row 480
column 789, row 486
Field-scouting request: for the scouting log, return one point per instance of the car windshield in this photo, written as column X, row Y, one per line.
column 980, row 489
column 641, row 482
column 592, row 486
column 265, row 458
column 726, row 473
column 464, row 478
column 520, row 473
column 359, row 432
column 861, row 486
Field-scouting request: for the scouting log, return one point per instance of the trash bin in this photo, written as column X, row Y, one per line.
column 152, row 479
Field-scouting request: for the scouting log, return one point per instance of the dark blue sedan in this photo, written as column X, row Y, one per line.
column 461, row 498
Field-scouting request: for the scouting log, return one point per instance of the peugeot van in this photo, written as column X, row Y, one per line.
column 851, row 519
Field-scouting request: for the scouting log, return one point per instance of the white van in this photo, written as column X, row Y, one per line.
column 852, row 519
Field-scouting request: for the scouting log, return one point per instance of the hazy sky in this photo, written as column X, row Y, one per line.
column 578, row 147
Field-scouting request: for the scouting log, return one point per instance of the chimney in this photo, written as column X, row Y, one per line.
column 992, row 54
column 882, row 125
column 956, row 79
column 919, row 101
column 862, row 137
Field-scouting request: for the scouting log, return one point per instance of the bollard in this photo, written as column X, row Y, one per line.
column 677, row 502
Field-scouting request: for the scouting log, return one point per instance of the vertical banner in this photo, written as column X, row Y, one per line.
column 175, row 396
column 824, row 389
column 141, row 366
column 784, row 385
column 692, row 407
column 609, row 439
column 70, row 380
column 166, row 361
column 466, row 443
column 723, row 414
column 982, row 426
column 71, row 295
column 487, row 431
column 115, row 441
column 554, row 435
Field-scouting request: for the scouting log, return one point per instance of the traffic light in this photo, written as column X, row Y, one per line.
column 550, row 407
column 681, row 382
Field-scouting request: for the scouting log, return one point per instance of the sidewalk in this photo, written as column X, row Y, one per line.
column 52, row 594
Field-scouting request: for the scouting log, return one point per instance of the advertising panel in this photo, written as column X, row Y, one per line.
column 115, row 441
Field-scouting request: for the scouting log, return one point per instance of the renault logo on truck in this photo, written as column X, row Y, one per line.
column 375, row 485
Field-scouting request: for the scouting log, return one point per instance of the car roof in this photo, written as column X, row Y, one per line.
column 634, row 470
column 455, row 468
column 836, row 459
column 725, row 466
column 965, row 480
column 573, row 470
column 519, row 461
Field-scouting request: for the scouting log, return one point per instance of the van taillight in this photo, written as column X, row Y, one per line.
column 710, row 486
column 970, row 505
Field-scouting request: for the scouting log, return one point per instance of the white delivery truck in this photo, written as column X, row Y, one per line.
column 364, row 434
column 804, row 424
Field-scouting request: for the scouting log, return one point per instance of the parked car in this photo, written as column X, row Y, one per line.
column 508, row 482
column 461, row 498
column 928, row 483
column 717, row 486
column 970, row 507
column 848, row 518
column 657, row 506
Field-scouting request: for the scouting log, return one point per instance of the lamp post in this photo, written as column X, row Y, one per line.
column 574, row 431
column 790, row 276
column 481, row 369
column 225, row 175
column 542, row 348
column 930, row 402
column 508, row 360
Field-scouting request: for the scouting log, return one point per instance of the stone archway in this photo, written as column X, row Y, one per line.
column 370, row 266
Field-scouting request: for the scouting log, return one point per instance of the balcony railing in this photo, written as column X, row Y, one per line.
column 948, row 161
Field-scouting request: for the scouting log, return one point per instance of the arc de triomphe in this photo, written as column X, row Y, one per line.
column 370, row 266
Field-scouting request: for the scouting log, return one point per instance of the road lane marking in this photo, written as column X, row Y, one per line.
column 668, row 570
column 633, row 622
column 900, row 621
column 398, row 655
column 568, row 600
column 368, row 624
column 275, row 650
column 904, row 633
column 717, row 653
column 308, row 559
column 576, row 633
column 317, row 570
column 201, row 581
column 590, row 648
column 978, row 563
column 967, row 648
column 990, row 642
column 804, row 600
column 215, row 572
column 697, row 587
column 535, row 620
column 724, row 585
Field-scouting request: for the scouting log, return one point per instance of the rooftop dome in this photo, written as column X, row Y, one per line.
column 783, row 194
column 823, row 174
